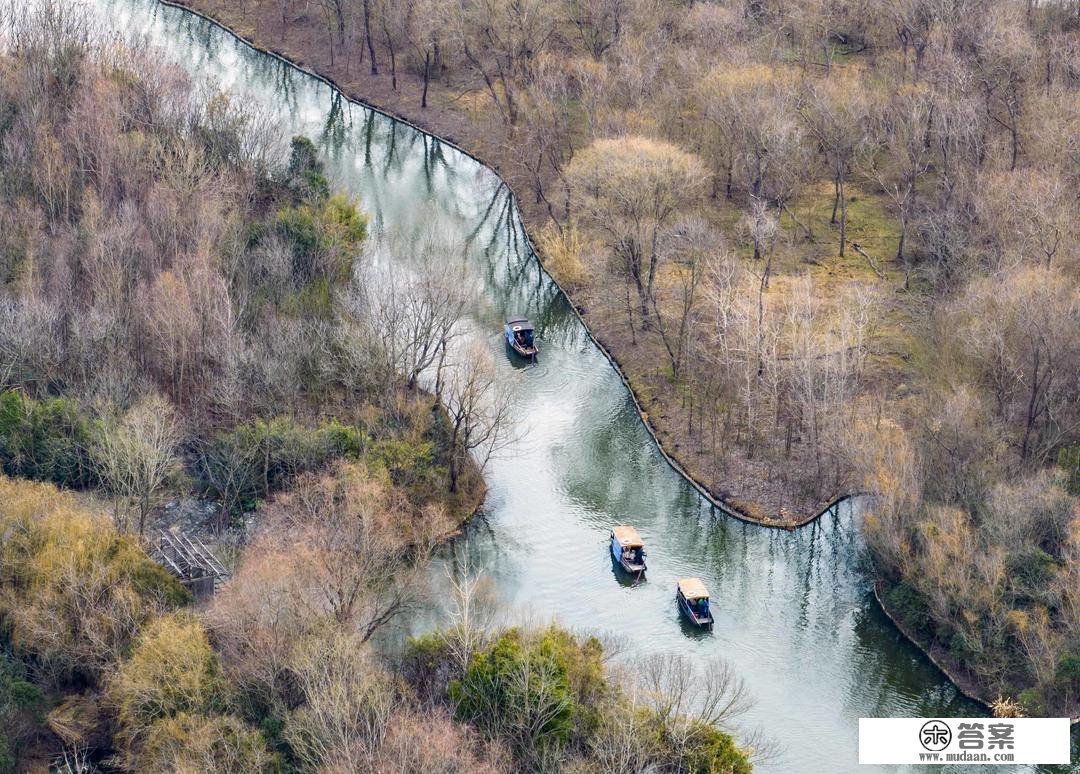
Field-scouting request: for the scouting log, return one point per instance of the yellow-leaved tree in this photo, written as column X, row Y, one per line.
column 73, row 591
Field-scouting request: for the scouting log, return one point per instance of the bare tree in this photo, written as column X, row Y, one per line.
column 690, row 246
column 480, row 408
column 1005, row 63
column 754, row 110
column 630, row 188
column 334, row 17
column 686, row 697
column 368, row 39
column 136, row 457
column 413, row 311
column 913, row 23
column 900, row 159
column 597, row 23
column 500, row 40
column 472, row 612
column 360, row 545
column 836, row 112
column 349, row 701
column 680, row 690
column 1018, row 333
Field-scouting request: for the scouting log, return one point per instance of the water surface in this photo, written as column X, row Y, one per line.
column 794, row 612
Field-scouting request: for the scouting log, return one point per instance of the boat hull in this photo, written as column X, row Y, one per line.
column 688, row 614
column 529, row 353
column 526, row 352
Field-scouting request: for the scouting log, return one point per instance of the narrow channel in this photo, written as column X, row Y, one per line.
column 794, row 611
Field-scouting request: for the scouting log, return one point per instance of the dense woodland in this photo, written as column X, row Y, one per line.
column 848, row 231
column 182, row 315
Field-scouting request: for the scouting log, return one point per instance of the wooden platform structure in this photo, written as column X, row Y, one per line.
column 189, row 561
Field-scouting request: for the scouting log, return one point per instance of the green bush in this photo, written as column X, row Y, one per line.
column 1069, row 462
column 307, row 175
column 344, row 440
column 536, row 691
column 324, row 230
column 1067, row 676
column 710, row 751
column 428, row 666
column 21, row 709
column 246, row 464
column 959, row 648
column 519, row 691
column 169, row 694
column 1033, row 701
column 410, row 464
column 907, row 604
column 1031, row 572
column 324, row 236
column 44, row 440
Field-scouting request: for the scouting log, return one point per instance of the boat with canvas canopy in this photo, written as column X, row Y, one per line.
column 628, row 549
column 693, row 600
column 520, row 336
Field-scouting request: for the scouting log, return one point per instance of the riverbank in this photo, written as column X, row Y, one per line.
column 940, row 657
column 751, row 488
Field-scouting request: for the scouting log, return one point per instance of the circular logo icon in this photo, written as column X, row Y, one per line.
column 935, row 735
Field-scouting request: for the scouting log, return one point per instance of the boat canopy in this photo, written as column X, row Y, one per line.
column 693, row 588
column 628, row 537
column 519, row 324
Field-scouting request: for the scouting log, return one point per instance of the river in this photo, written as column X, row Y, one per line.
column 794, row 611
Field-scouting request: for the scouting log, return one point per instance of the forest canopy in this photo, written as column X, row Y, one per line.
column 833, row 246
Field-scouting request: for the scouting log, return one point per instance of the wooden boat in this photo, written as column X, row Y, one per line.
column 693, row 600
column 519, row 335
column 628, row 549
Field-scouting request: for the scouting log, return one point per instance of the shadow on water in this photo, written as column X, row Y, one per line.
column 794, row 612
column 623, row 578
column 692, row 632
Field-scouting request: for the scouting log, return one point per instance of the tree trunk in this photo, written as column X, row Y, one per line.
column 836, row 198
column 843, row 215
column 439, row 374
column 1014, row 131
column 454, row 456
column 427, row 75
column 901, row 257
column 367, row 37
column 1033, row 404
column 643, row 299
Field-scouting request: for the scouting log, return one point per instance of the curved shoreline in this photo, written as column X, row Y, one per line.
column 963, row 686
column 717, row 502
